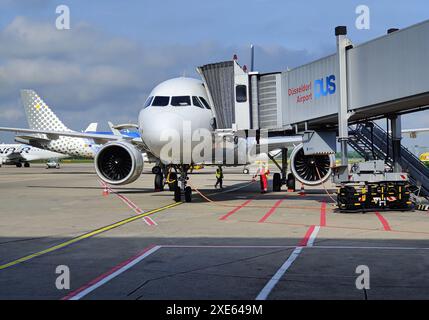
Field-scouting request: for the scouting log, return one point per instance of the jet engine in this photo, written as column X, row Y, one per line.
column 119, row 163
column 311, row 170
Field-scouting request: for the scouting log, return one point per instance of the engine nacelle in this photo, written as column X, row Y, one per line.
column 119, row 163
column 311, row 170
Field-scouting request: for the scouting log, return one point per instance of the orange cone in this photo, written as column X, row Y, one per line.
column 302, row 192
column 105, row 191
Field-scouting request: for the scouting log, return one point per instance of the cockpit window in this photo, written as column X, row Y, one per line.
column 160, row 101
column 181, row 101
column 148, row 102
column 196, row 102
column 205, row 102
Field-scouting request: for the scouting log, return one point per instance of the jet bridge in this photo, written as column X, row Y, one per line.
column 382, row 78
column 388, row 75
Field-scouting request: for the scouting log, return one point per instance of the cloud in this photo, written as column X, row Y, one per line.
column 87, row 75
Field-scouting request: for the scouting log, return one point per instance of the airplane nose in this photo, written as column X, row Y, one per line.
column 161, row 131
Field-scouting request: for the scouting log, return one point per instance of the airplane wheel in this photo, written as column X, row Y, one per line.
column 19, row 165
column 173, row 177
column 159, row 183
column 277, row 182
column 156, row 170
column 26, row 165
column 177, row 194
column 188, row 194
column 291, row 182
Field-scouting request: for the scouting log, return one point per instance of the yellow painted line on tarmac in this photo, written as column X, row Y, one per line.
column 87, row 235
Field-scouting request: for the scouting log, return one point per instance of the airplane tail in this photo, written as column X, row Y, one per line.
column 39, row 115
column 92, row 127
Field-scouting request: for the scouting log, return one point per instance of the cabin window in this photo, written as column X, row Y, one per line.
column 196, row 102
column 241, row 93
column 206, row 104
column 160, row 101
column 148, row 102
column 181, row 101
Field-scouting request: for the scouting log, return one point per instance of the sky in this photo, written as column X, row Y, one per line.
column 115, row 52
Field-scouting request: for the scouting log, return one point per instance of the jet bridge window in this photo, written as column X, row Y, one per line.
column 181, row 101
column 241, row 93
column 196, row 102
column 160, row 101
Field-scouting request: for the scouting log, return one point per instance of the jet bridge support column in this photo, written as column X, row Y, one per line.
column 342, row 44
column 396, row 142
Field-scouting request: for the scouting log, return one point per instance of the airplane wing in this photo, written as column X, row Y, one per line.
column 30, row 139
column 14, row 156
column 54, row 135
column 97, row 137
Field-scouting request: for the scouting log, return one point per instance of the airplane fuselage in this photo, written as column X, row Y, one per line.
column 18, row 153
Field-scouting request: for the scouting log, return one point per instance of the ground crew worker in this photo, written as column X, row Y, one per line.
column 263, row 173
column 219, row 177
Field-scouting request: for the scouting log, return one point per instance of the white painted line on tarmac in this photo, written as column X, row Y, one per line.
column 307, row 241
column 113, row 273
column 263, row 295
column 313, row 236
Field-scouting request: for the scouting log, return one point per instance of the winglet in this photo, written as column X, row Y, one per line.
column 115, row 132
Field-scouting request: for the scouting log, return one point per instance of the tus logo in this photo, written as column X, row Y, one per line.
column 324, row 87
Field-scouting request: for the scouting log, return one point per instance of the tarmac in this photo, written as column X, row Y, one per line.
column 64, row 235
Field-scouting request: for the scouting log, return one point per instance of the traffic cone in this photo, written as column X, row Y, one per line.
column 105, row 191
column 302, row 192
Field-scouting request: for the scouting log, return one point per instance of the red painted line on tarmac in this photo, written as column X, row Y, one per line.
column 105, row 275
column 323, row 215
column 225, row 217
column 149, row 221
column 271, row 211
column 304, row 241
column 383, row 221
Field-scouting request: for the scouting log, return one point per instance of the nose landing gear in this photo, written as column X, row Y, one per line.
column 178, row 184
column 187, row 190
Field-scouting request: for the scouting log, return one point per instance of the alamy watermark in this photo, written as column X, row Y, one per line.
column 363, row 20
column 63, row 20
column 363, row 280
column 62, row 282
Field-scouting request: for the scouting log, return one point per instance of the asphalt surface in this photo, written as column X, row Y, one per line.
column 133, row 243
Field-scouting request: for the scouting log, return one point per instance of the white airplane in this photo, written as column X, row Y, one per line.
column 21, row 154
column 175, row 111
column 41, row 117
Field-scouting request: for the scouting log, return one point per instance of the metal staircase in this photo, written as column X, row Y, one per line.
column 373, row 143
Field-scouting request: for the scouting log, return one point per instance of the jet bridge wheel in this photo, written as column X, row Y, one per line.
column 277, row 182
column 159, row 182
column 188, row 194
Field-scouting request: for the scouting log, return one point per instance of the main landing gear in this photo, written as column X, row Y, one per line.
column 280, row 179
column 19, row 165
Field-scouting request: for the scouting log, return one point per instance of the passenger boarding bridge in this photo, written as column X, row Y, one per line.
column 382, row 78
